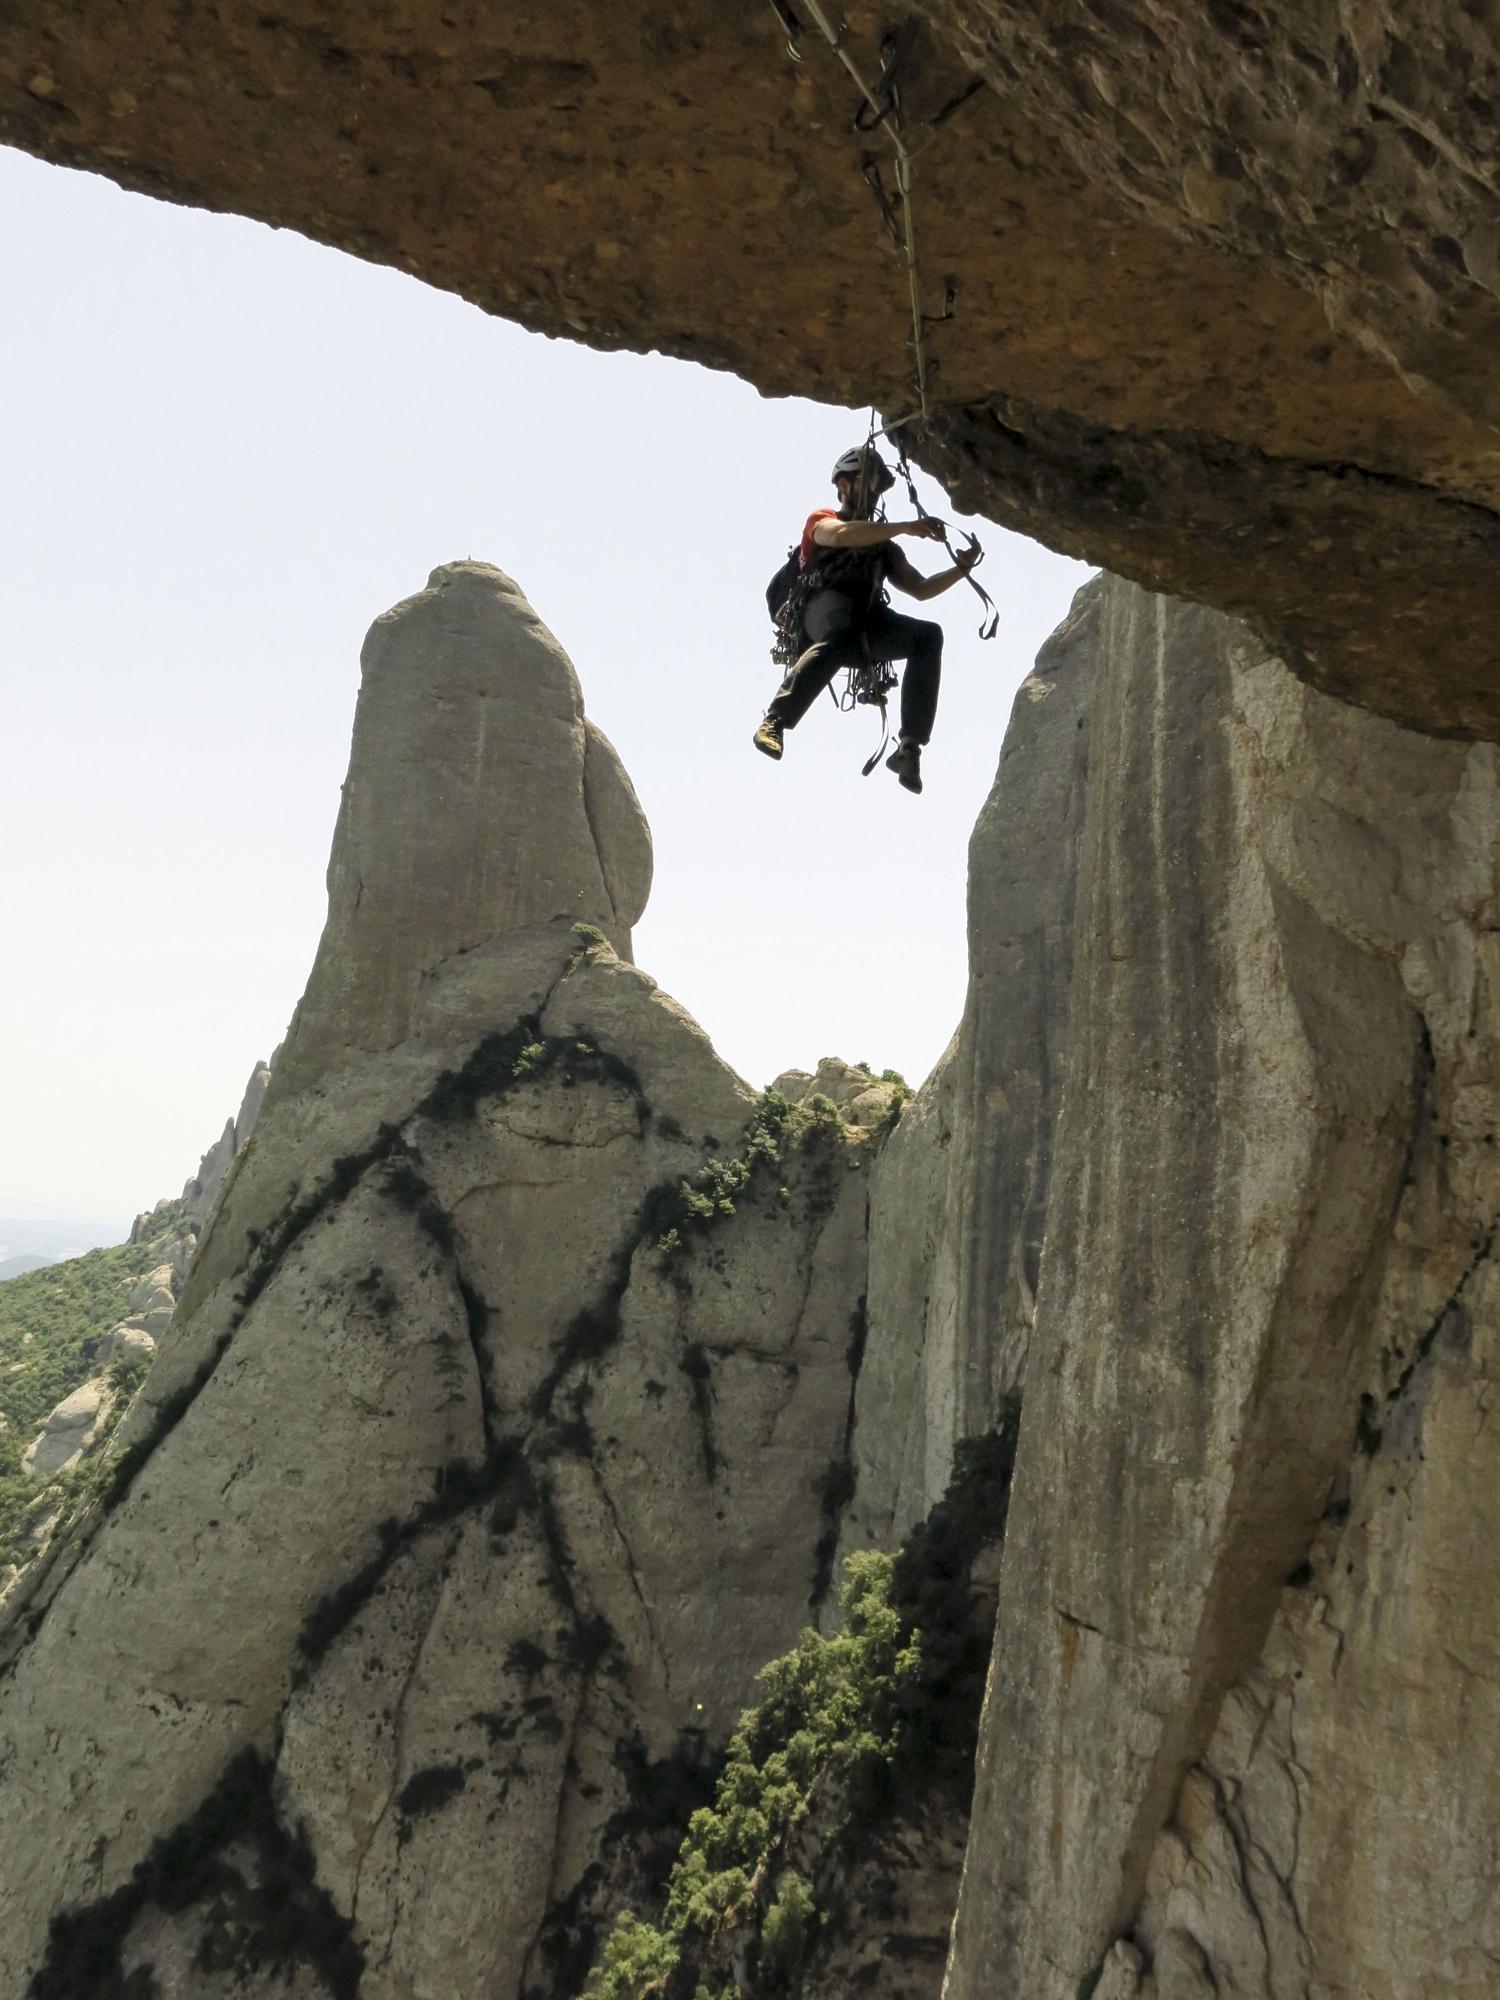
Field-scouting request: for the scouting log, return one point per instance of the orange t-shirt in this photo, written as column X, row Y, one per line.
column 808, row 544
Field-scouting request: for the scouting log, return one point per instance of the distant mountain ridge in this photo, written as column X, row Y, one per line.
column 15, row 1267
column 50, row 1234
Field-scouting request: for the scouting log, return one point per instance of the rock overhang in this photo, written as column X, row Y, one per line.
column 1224, row 280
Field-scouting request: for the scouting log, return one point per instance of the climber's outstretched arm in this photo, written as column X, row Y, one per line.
column 904, row 577
column 836, row 534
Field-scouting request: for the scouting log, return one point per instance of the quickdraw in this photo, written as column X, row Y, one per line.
column 869, row 685
column 989, row 623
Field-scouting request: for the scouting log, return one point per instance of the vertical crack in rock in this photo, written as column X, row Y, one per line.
column 1424, row 1096
column 1239, row 1842
column 398, row 1733
column 601, row 1486
column 555, row 1844
column 399, row 1742
column 841, row 1478
column 698, row 1369
column 1426, row 1340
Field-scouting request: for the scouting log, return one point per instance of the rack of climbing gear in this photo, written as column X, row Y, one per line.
column 869, row 684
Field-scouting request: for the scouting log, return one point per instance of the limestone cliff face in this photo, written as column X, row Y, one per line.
column 1244, row 1667
column 1225, row 280
column 488, row 1452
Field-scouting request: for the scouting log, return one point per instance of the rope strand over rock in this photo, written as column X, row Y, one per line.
column 881, row 108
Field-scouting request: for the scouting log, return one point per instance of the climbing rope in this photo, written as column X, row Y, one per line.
column 870, row 681
column 881, row 108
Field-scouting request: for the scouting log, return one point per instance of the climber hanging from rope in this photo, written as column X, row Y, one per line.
column 831, row 611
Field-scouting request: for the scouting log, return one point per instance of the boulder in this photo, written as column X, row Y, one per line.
column 68, row 1428
column 862, row 1097
column 151, row 1222
column 127, row 1343
column 153, row 1291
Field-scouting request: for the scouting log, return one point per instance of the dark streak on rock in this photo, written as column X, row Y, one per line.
column 264, row 1914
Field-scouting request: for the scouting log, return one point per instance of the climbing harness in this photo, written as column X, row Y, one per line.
column 789, row 589
column 869, row 682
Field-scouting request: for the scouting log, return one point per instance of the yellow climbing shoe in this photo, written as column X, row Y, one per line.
column 768, row 737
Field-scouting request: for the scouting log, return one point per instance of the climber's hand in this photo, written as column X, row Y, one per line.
column 926, row 530
column 966, row 559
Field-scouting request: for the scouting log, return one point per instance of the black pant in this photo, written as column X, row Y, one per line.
column 837, row 636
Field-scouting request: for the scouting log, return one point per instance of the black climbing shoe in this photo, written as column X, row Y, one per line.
column 768, row 737
column 906, row 761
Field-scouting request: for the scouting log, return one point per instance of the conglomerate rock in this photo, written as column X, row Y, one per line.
column 67, row 1430
column 510, row 1416
column 202, row 1191
column 1244, row 1674
column 488, row 1452
column 1210, row 291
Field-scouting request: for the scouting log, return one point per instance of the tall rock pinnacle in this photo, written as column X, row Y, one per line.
column 480, row 802
column 488, row 1450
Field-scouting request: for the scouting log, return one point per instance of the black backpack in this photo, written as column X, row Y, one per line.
column 779, row 589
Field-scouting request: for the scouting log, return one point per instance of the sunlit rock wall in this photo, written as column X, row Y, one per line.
column 1244, row 1667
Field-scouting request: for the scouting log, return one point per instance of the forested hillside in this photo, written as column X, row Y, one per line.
column 53, row 1327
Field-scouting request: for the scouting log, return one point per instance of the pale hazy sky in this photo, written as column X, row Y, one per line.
column 227, row 451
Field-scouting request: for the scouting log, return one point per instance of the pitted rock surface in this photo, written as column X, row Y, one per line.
column 1224, row 279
